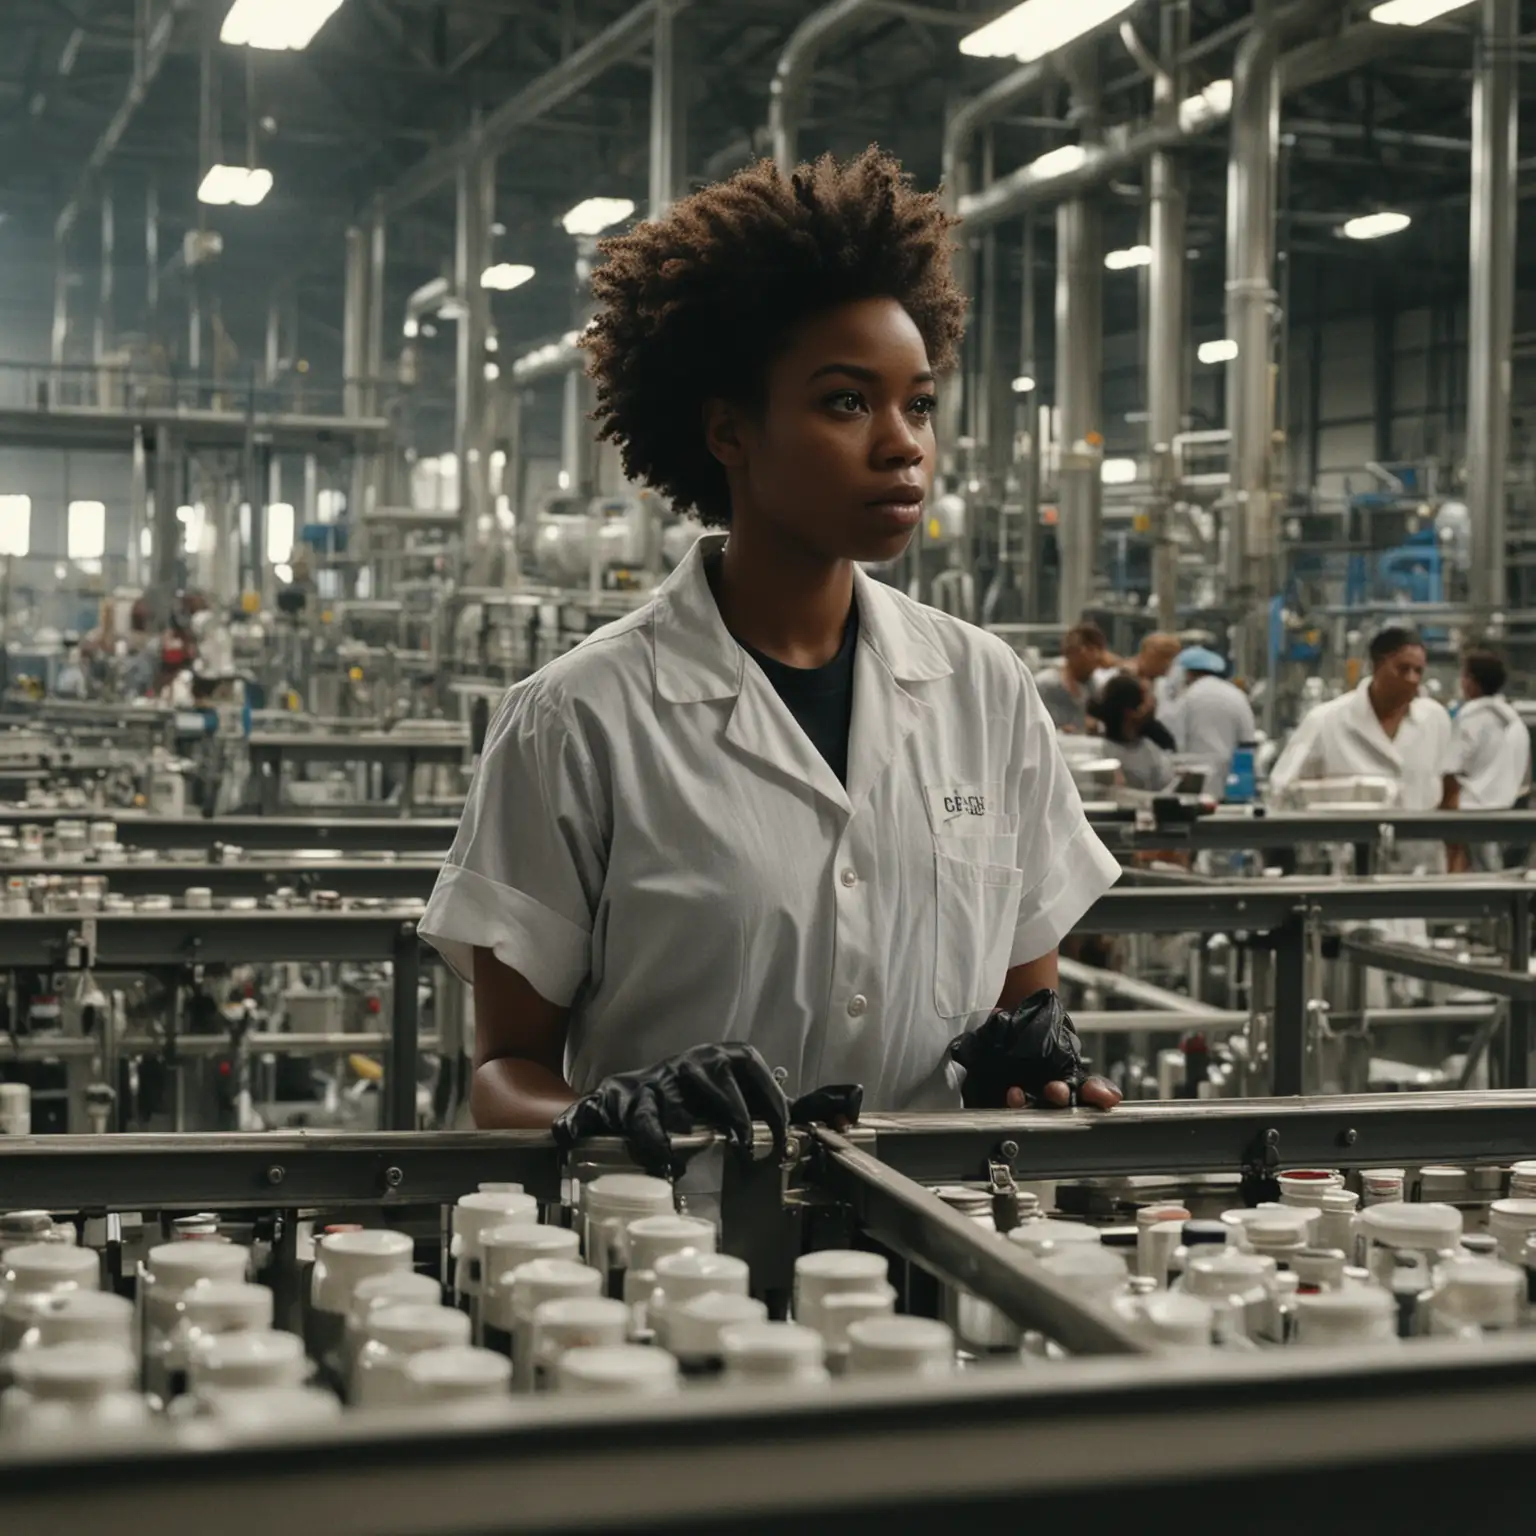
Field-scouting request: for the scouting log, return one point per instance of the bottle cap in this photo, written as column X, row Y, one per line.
column 1336, row 1201
column 233, row 1361
column 759, row 1349
column 342, row 1259
column 79, row 1370
column 651, row 1236
column 49, row 1266
column 459, row 1372
column 695, row 1326
column 541, row 1280
column 680, row 1275
column 479, row 1212
column 503, row 1248
column 1482, row 1292
column 1170, row 1319
column 69, row 1317
column 393, row 1288
column 408, row 1328
column 1090, row 1271
column 1048, row 1232
column 626, row 1194
column 1398, row 1224
column 224, row 1306
column 912, row 1345
column 1151, row 1215
column 1351, row 1313
column 279, row 1410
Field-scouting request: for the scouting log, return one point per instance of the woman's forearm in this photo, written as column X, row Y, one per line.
column 509, row 1094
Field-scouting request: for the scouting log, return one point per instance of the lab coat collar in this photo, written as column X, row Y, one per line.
column 697, row 659
column 1494, row 704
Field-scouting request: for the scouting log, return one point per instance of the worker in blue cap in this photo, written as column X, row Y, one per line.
column 1211, row 718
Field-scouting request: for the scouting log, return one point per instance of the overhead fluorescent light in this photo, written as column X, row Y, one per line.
column 596, row 214
column 1414, row 13
column 1132, row 256
column 1214, row 102
column 1059, row 162
column 505, row 276
column 15, row 525
column 281, row 531
column 276, row 24
column 1372, row 226
column 1038, row 27
column 1222, row 351
column 492, row 372
column 86, row 531
column 412, row 328
column 1118, row 472
column 225, row 184
column 1023, row 385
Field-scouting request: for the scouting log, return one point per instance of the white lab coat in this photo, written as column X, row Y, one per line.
column 1493, row 754
column 1210, row 720
column 652, row 841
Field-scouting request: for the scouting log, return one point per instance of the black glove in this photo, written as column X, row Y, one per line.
column 1028, row 1048
column 725, row 1087
column 837, row 1105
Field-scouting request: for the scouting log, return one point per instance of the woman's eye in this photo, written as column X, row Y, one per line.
column 846, row 400
column 924, row 405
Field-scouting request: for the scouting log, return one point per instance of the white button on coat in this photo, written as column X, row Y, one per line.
column 652, row 841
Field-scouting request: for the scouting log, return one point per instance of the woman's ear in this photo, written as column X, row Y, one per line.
column 723, row 433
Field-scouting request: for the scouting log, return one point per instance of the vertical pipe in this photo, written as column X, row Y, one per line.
column 476, row 212
column 378, row 250
column 1490, row 307
column 1165, row 318
column 664, row 102
column 354, row 318
column 1029, row 368
column 138, row 502
column 60, row 299
column 1079, row 351
column 103, row 337
column 274, row 349
column 152, row 251
column 1251, row 175
column 404, row 1031
column 166, row 552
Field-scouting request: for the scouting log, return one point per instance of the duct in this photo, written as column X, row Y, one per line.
column 1490, row 317
column 1165, row 372
column 1031, row 187
column 631, row 32
column 148, row 59
column 795, row 66
column 471, row 422
column 972, row 115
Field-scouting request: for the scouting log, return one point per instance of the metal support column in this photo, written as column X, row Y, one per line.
column 1490, row 311
column 1027, row 421
column 354, row 320
column 1288, row 1032
column 1165, row 317
column 60, row 335
column 152, row 253
column 472, row 249
column 1251, row 179
column 400, row 1082
column 166, row 551
column 373, row 335
column 666, row 111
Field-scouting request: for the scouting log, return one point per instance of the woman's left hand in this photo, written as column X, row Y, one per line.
column 1028, row 1054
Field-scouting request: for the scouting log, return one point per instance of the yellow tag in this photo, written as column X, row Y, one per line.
column 356, row 674
column 250, row 602
column 1141, row 523
column 933, row 528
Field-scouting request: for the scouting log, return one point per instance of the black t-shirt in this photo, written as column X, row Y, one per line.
column 820, row 698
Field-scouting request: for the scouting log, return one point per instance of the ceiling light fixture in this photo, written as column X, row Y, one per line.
column 596, row 214
column 505, row 276
column 1414, row 13
column 1038, row 27
column 1222, row 351
column 225, row 184
column 277, row 25
column 1023, row 385
column 1117, row 472
column 1372, row 226
column 1133, row 256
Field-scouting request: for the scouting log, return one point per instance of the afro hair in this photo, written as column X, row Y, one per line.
column 696, row 305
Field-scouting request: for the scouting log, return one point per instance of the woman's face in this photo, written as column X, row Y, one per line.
column 840, row 459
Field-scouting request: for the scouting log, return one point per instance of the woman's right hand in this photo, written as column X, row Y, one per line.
column 725, row 1087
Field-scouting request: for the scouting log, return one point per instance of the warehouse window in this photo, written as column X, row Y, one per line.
column 87, row 533
column 280, row 533
column 15, row 525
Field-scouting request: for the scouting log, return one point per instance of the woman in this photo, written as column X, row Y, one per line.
column 1123, row 707
column 780, row 821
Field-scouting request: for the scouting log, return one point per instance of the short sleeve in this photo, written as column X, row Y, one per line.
column 1450, row 747
column 527, row 866
column 1066, row 867
column 1295, row 762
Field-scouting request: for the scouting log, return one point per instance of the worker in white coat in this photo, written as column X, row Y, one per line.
column 1211, row 718
column 1493, row 748
column 780, row 818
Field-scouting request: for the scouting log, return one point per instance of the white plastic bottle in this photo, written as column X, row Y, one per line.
column 458, row 1373
column 573, row 1322
column 1383, row 1231
column 623, row 1370
column 35, row 1270
column 837, row 1313
column 82, row 1317
column 394, row 1335
column 1475, row 1296
column 1169, row 1320
column 1335, row 1227
column 1511, row 1223
column 647, row 1238
column 503, row 1251
column 72, row 1393
column 473, row 1216
column 534, row 1283
column 399, row 1288
column 680, row 1276
column 246, row 1362
column 342, row 1260
column 1159, row 1229
column 209, row 1310
column 608, row 1204
column 284, row 1411
column 762, row 1352
column 696, row 1329
column 1352, row 1314
column 830, row 1270
column 901, row 1346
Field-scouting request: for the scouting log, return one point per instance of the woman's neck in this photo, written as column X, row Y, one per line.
column 783, row 599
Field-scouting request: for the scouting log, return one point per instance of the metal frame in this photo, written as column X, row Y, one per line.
column 1128, row 831
column 361, row 834
column 388, row 879
column 268, row 754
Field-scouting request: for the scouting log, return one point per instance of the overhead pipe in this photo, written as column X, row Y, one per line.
column 1490, row 305
column 795, row 67
column 1034, row 186
column 615, row 44
column 471, row 419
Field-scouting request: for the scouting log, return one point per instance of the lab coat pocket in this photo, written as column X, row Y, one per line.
column 978, row 909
